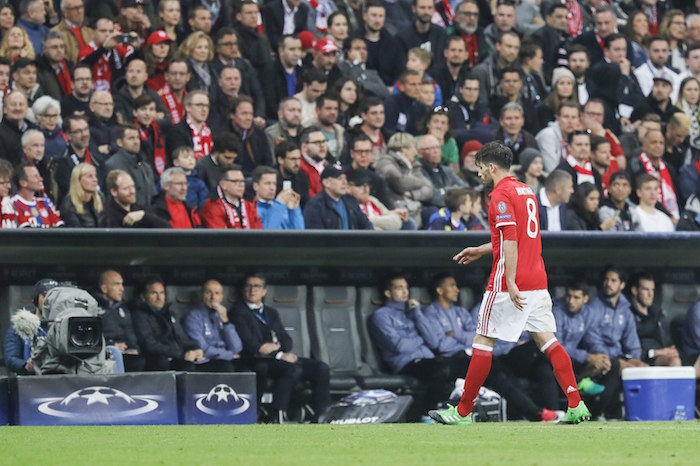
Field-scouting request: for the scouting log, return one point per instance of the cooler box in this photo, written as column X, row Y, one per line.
column 659, row 393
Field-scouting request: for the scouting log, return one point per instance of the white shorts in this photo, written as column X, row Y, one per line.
column 499, row 318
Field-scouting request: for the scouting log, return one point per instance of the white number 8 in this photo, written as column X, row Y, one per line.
column 532, row 224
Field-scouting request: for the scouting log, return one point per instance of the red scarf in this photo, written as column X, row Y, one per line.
column 175, row 108
column 697, row 166
column 63, row 76
column 575, row 18
column 84, row 47
column 234, row 220
column 653, row 18
column 667, row 195
column 370, row 209
column 157, row 80
column 158, row 145
column 583, row 172
column 472, row 48
column 201, row 140
column 449, row 14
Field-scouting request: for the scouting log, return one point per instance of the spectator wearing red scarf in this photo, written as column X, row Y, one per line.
column 170, row 204
column 53, row 70
column 228, row 209
column 152, row 141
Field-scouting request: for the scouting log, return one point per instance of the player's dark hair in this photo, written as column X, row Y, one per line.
column 639, row 276
column 578, row 285
column 496, row 153
column 388, row 281
column 614, row 268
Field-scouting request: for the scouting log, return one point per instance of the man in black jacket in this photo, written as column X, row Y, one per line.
column 268, row 348
column 333, row 208
column 12, row 126
column 129, row 159
column 274, row 12
column 254, row 46
column 79, row 149
column 422, row 33
column 284, row 79
column 256, row 150
column 117, row 325
column 121, row 210
column 163, row 342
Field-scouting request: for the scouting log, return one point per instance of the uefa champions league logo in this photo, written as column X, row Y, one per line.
column 222, row 400
column 98, row 401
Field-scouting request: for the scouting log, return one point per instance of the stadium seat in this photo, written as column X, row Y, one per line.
column 467, row 298
column 290, row 301
column 676, row 299
column 369, row 300
column 334, row 336
column 182, row 299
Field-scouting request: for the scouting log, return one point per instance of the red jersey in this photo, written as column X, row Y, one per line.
column 39, row 213
column 513, row 216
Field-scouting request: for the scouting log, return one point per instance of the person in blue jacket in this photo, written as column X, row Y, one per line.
column 598, row 374
column 276, row 213
column 209, row 325
column 402, row 348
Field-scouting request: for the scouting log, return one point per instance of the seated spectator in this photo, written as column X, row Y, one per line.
column 193, row 130
column 224, row 152
column 78, row 101
column 289, row 169
column 121, row 210
column 314, row 84
column 651, row 219
column 32, row 20
column 17, row 351
column 326, row 119
column 163, row 343
column 552, row 139
column 13, row 125
column 510, row 86
column 408, row 186
column 24, row 79
column 197, row 191
column 103, row 122
column 288, row 126
column 129, row 159
column 47, row 112
column 631, row 142
column 170, row 205
column 173, row 92
column 382, row 218
column 598, row 374
column 314, row 157
column 658, row 53
column 454, row 65
column 458, row 207
column 117, row 324
column 531, row 62
column 8, row 216
column 152, row 140
column 531, row 169
column 469, row 172
column 562, row 91
column 83, row 206
column 689, row 102
column 157, row 50
column 691, row 338
column 418, row 60
column 276, row 213
column 593, row 118
column 553, row 199
column 393, row 328
column 33, row 211
column 511, row 133
column 578, row 160
column 333, row 208
column 403, row 110
column 613, row 330
column 618, row 205
column 228, row 209
column 135, row 86
column 464, row 108
column 373, row 118
column 363, row 158
column 583, row 210
column 442, row 177
column 354, row 68
column 208, row 324
column 437, row 124
column 602, row 161
column 33, row 150
column 16, row 44
column 255, row 150
column 268, row 348
column 198, row 48
column 658, row 101
column 676, row 135
column 653, row 326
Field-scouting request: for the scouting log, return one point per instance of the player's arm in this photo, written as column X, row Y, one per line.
column 469, row 255
column 510, row 255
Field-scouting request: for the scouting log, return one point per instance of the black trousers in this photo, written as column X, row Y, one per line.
column 608, row 401
column 163, row 363
column 286, row 376
column 134, row 362
column 435, row 375
column 527, row 362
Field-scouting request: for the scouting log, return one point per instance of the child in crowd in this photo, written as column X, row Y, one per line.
column 197, row 192
column 419, row 60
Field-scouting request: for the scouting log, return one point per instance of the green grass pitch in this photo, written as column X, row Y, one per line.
column 512, row 444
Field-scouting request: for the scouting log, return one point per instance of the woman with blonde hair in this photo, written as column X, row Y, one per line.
column 83, row 206
column 16, row 44
column 198, row 49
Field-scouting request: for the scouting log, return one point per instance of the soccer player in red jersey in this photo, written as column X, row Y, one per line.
column 516, row 298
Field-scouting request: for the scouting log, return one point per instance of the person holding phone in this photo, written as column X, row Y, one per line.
column 276, row 213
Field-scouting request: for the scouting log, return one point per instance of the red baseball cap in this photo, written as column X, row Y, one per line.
column 158, row 37
column 326, row 46
column 307, row 39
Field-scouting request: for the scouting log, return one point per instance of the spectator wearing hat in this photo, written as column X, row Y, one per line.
column 469, row 171
column 285, row 76
column 281, row 212
column 76, row 33
column 17, row 351
column 157, row 52
column 325, row 58
column 228, row 209
column 531, row 171
column 510, row 131
column 333, row 208
column 563, row 90
column 359, row 182
column 284, row 17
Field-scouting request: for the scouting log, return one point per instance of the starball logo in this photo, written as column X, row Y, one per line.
column 222, row 400
column 98, row 402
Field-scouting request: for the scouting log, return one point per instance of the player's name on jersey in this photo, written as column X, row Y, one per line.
column 524, row 191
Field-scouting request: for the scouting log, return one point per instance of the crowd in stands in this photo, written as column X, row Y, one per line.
column 428, row 339
column 347, row 114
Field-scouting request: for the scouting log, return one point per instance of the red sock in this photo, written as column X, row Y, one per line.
column 479, row 368
column 563, row 372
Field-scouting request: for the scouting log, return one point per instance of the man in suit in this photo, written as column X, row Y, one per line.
column 553, row 198
column 268, row 348
column 275, row 14
column 605, row 24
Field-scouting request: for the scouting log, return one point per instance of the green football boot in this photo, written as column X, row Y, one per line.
column 576, row 415
column 450, row 416
column 588, row 387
